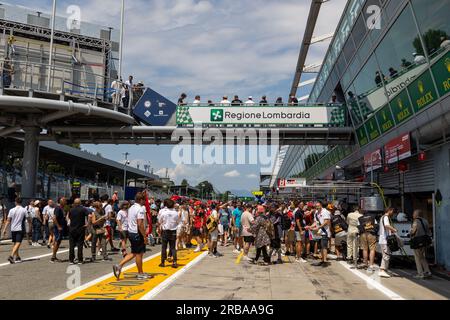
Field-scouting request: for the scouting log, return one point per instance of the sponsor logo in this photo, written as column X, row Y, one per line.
column 216, row 115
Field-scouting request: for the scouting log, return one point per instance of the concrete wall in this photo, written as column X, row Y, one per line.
column 442, row 173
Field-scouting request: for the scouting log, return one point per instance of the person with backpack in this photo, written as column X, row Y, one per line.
column 386, row 231
column 262, row 228
column 420, row 240
column 323, row 228
column 352, row 235
column 339, row 228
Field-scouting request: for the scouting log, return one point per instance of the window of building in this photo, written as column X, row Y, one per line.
column 359, row 30
column 433, row 19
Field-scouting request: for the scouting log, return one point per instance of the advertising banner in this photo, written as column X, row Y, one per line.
column 385, row 119
column 401, row 107
column 373, row 161
column 291, row 183
column 398, row 149
column 422, row 92
column 153, row 109
column 372, row 129
column 245, row 115
column 441, row 72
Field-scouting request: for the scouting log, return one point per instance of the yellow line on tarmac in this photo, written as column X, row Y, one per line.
column 129, row 287
column 238, row 260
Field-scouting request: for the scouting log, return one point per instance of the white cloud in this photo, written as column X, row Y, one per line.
column 232, row 174
column 252, row 176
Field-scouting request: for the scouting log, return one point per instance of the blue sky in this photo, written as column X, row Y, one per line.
column 211, row 48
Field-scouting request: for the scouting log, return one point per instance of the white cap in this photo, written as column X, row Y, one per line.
column 250, row 97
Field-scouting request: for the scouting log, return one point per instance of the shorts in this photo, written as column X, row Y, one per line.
column 220, row 227
column 368, row 241
column 324, row 242
column 137, row 243
column 226, row 228
column 340, row 238
column 299, row 237
column 238, row 232
column 214, row 235
column 196, row 232
column 290, row 236
column 181, row 230
column 249, row 239
column 58, row 234
column 51, row 226
column 17, row 236
column 123, row 235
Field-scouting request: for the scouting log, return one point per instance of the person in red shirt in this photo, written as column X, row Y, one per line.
column 197, row 229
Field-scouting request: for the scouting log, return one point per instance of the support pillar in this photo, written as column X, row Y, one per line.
column 30, row 162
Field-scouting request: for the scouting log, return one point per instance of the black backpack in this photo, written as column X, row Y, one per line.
column 339, row 224
column 286, row 222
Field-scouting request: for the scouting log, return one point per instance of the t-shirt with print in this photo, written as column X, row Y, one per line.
column 299, row 215
column 108, row 210
column 224, row 217
column 122, row 216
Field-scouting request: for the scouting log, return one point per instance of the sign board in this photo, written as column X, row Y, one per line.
column 373, row 161
column 291, row 183
column 153, row 109
column 258, row 115
column 422, row 92
column 441, row 72
column 258, row 193
column 398, row 149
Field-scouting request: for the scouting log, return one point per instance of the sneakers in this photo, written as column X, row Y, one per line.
column 427, row 275
column 419, row 276
column 246, row 258
column 117, row 270
column 11, row 260
column 143, row 276
column 55, row 260
column 212, row 255
column 175, row 265
column 218, row 254
column 370, row 269
column 18, row 260
column 383, row 274
column 197, row 249
column 162, row 265
column 300, row 260
column 236, row 251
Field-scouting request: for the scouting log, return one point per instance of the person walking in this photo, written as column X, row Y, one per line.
column 122, row 222
column 138, row 240
column 168, row 219
column 77, row 230
column 260, row 229
column 15, row 218
column 98, row 220
column 386, row 230
column 275, row 243
column 420, row 228
column 323, row 227
column 368, row 240
column 36, row 222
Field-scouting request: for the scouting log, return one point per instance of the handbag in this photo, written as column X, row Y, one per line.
column 421, row 241
column 392, row 240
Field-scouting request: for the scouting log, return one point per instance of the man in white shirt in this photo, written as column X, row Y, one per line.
column 250, row 102
column 116, row 85
column 168, row 220
column 386, row 229
column 352, row 235
column 247, row 220
column 197, row 101
column 109, row 215
column 323, row 227
column 136, row 235
column 49, row 213
column 214, row 233
column 225, row 102
column 16, row 217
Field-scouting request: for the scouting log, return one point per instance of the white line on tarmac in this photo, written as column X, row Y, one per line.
column 373, row 283
column 35, row 258
column 162, row 286
column 98, row 280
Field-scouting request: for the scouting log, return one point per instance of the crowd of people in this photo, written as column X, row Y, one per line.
column 305, row 231
column 236, row 101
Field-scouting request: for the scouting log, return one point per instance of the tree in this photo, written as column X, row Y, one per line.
column 185, row 183
column 432, row 39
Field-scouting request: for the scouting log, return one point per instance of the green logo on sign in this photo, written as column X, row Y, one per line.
column 216, row 115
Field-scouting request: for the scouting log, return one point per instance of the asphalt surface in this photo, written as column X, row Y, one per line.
column 225, row 278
